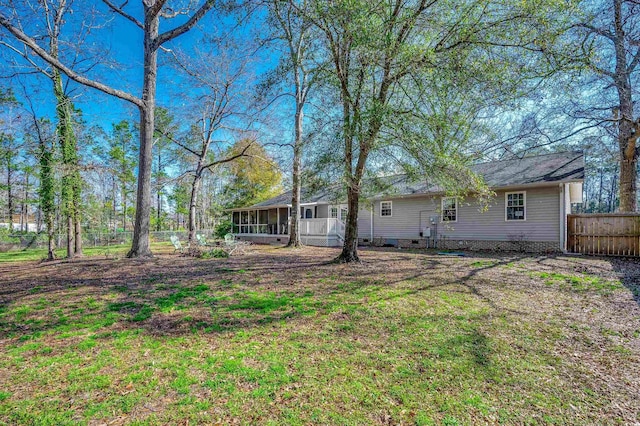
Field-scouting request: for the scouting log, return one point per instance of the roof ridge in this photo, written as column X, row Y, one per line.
column 580, row 152
column 577, row 152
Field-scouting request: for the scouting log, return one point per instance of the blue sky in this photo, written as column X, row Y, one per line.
column 118, row 43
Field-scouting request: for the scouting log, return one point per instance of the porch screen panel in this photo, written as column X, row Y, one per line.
column 263, row 220
column 236, row 222
column 244, row 220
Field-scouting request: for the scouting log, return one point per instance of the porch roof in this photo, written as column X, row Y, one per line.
column 268, row 207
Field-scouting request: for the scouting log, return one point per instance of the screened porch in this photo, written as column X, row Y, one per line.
column 273, row 221
column 314, row 220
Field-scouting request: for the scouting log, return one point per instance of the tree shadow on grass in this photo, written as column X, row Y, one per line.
column 173, row 295
column 628, row 271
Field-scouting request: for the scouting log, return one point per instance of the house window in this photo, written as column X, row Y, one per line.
column 449, row 209
column 343, row 214
column 385, row 208
column 334, row 212
column 515, row 205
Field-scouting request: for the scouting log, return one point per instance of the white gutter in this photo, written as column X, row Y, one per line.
column 275, row 206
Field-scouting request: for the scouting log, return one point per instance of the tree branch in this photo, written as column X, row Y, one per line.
column 155, row 7
column 31, row 44
column 122, row 13
column 600, row 31
column 229, row 159
column 180, row 144
column 26, row 57
column 171, row 34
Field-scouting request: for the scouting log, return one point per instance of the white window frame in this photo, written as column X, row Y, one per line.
column 455, row 199
column 343, row 209
column 390, row 208
column 331, row 211
column 524, row 205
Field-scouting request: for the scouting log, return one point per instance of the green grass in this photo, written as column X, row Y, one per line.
column 337, row 350
column 41, row 253
column 484, row 263
column 579, row 282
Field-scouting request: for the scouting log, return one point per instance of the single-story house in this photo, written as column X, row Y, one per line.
column 529, row 212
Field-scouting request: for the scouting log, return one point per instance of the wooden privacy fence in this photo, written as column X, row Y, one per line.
column 611, row 234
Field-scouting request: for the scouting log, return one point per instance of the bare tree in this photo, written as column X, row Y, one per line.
column 153, row 40
column 224, row 79
column 301, row 70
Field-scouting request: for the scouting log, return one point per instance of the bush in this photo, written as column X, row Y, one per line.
column 215, row 253
column 223, row 228
column 5, row 238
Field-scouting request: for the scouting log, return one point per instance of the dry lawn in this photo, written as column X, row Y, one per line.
column 282, row 336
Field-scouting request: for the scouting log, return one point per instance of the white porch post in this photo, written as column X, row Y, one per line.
column 278, row 221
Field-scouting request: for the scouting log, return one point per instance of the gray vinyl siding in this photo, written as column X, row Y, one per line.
column 364, row 223
column 410, row 215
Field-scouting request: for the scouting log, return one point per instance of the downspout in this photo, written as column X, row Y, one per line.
column 372, row 206
column 563, row 225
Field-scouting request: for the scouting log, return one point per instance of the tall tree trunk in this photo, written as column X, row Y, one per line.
column 77, row 202
column 600, row 190
column 9, row 193
column 23, row 202
column 65, row 139
column 70, row 234
column 628, row 127
column 140, row 246
column 114, row 210
column 294, row 230
column 158, row 194
column 78, row 232
column 46, row 192
column 51, row 245
column 612, row 192
column 628, row 166
column 124, row 207
column 23, row 223
column 193, row 202
column 66, row 135
column 350, row 247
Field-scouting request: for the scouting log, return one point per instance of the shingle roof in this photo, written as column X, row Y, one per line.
column 306, row 196
column 548, row 168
